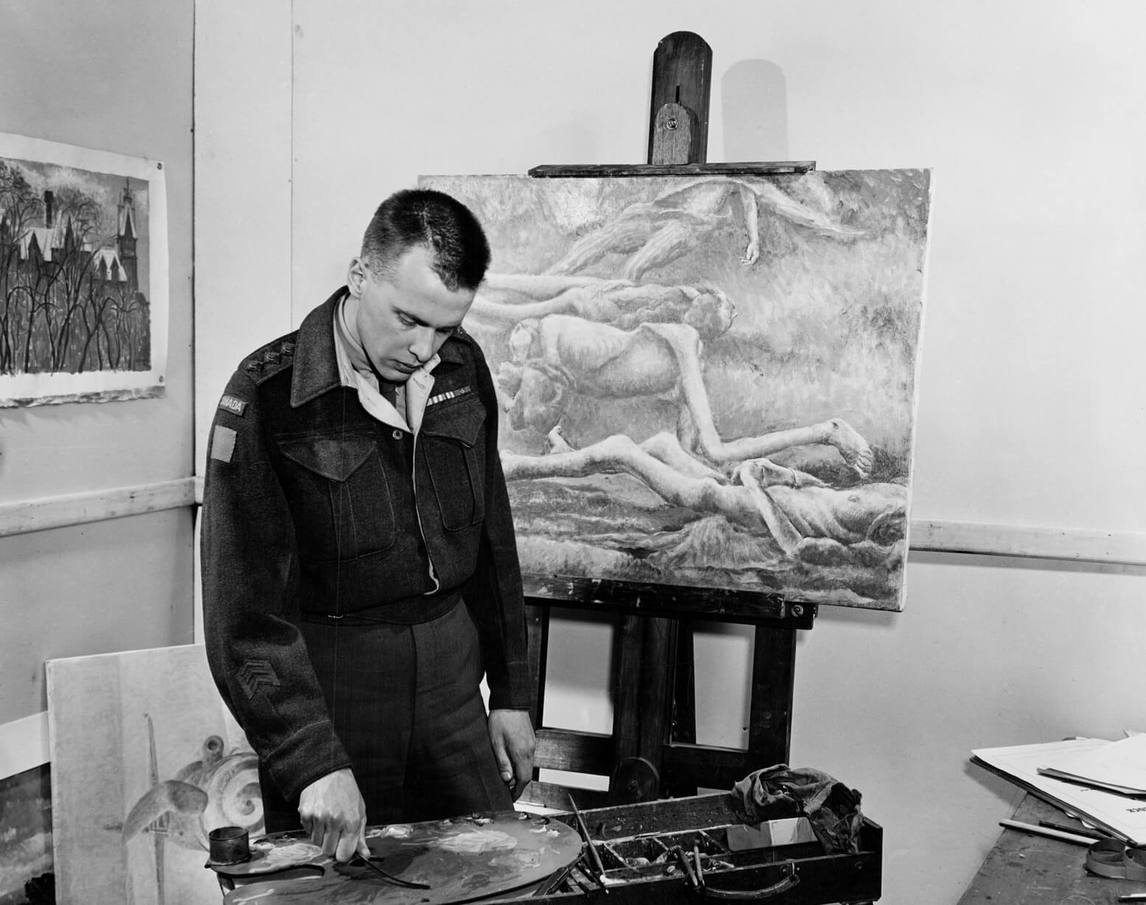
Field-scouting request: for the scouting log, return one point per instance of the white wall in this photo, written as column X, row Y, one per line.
column 242, row 190
column 115, row 79
column 1030, row 113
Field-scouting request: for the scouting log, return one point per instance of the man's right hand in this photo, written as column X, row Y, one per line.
column 333, row 812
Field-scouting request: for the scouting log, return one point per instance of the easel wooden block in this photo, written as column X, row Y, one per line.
column 652, row 750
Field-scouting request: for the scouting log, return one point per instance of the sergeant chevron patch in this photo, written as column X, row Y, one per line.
column 255, row 675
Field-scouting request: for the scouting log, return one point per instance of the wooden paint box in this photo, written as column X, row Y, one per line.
column 640, row 847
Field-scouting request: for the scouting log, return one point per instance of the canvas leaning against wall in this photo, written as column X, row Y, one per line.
column 708, row 381
column 146, row 761
column 83, row 274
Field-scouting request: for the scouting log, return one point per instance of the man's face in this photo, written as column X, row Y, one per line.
column 403, row 318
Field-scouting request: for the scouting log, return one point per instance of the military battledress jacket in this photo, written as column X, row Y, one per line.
column 313, row 509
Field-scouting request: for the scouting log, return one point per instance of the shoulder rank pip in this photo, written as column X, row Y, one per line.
column 275, row 356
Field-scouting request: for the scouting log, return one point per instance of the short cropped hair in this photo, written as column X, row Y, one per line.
column 430, row 219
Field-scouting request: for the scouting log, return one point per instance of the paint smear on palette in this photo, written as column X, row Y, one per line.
column 516, row 860
column 276, row 857
column 477, row 841
column 391, row 831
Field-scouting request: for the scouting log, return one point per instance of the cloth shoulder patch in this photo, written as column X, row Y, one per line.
column 223, row 443
column 233, row 404
column 449, row 394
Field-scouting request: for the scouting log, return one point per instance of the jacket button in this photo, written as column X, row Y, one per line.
column 397, row 435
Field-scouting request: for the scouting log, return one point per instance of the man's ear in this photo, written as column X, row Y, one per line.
column 356, row 276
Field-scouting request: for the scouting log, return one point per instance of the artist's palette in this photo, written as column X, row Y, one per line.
column 461, row 859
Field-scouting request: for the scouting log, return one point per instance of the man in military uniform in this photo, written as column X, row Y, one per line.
column 359, row 566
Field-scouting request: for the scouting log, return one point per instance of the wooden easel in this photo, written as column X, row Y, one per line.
column 652, row 750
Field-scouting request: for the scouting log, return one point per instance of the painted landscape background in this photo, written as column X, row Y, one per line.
column 826, row 325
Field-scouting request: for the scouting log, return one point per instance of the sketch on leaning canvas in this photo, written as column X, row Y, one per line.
column 83, row 274
column 708, row 381
column 146, row 761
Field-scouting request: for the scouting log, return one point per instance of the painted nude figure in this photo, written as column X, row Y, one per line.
column 653, row 233
column 561, row 354
column 807, row 519
column 511, row 298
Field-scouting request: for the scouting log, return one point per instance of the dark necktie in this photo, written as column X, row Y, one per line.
column 388, row 390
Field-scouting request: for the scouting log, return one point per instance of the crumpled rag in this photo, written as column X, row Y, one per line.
column 781, row 791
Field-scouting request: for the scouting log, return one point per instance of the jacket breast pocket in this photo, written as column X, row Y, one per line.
column 339, row 496
column 454, row 444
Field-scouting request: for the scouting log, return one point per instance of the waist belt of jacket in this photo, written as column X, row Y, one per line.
column 410, row 611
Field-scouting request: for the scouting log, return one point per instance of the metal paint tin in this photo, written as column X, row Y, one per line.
column 229, row 845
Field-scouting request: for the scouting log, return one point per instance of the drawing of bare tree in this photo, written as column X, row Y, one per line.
column 20, row 208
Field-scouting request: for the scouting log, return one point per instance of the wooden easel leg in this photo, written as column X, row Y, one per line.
column 684, row 685
column 628, row 649
column 773, row 675
column 537, row 649
column 642, row 705
column 656, row 688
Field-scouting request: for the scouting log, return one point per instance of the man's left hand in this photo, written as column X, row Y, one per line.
column 511, row 734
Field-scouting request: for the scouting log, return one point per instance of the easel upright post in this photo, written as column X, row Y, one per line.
column 653, row 651
column 678, row 115
column 652, row 749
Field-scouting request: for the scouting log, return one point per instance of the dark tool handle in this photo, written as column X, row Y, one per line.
column 389, row 878
column 751, row 895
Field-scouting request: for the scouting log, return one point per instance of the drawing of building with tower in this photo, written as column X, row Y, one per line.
column 62, row 238
column 70, row 293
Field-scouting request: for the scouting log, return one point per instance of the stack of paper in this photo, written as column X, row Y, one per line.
column 1120, row 815
column 1115, row 766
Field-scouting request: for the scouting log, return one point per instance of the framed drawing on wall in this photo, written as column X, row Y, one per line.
column 708, row 381
column 83, row 274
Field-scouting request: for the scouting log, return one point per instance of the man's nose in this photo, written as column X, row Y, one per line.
column 422, row 346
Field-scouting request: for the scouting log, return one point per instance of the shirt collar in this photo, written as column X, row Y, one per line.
column 354, row 371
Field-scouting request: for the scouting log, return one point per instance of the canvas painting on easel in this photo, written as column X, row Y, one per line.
column 708, row 381
column 146, row 761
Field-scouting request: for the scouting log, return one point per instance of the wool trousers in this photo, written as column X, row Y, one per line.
column 406, row 705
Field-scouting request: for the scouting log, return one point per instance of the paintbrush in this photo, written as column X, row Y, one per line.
column 397, row 881
column 555, row 880
column 584, row 830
